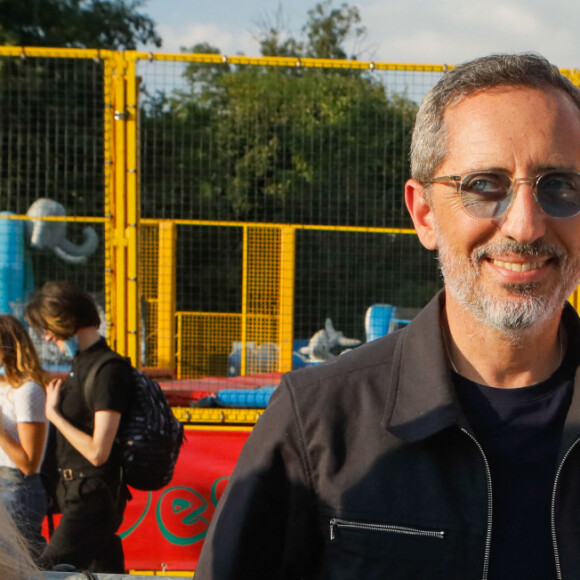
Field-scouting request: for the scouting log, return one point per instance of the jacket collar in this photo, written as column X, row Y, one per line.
column 422, row 400
column 571, row 432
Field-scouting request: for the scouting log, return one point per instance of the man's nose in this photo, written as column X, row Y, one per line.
column 525, row 220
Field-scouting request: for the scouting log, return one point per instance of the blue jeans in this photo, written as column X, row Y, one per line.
column 25, row 500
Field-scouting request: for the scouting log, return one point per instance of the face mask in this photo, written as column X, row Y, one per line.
column 71, row 346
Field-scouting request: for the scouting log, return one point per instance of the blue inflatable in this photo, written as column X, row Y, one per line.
column 257, row 398
column 16, row 278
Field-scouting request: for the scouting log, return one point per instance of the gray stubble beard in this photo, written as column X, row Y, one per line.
column 523, row 307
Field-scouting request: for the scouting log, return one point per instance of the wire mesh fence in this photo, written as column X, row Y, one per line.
column 269, row 142
column 233, row 205
column 281, row 144
column 52, row 133
column 52, row 175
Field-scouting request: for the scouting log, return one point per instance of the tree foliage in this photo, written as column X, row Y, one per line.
column 326, row 33
column 276, row 145
column 325, row 146
column 52, row 110
column 328, row 29
column 107, row 24
column 286, row 145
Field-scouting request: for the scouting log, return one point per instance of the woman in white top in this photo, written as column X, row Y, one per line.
column 23, row 429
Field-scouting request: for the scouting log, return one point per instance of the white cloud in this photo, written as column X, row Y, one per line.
column 227, row 40
column 452, row 31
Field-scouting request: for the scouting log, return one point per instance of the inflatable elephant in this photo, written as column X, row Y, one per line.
column 51, row 235
column 16, row 275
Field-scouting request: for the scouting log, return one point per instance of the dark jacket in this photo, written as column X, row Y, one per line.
column 364, row 468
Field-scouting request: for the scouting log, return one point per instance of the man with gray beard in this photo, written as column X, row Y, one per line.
column 447, row 449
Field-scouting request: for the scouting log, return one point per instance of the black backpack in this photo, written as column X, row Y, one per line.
column 149, row 435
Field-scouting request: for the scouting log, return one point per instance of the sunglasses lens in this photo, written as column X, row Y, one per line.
column 486, row 195
column 559, row 194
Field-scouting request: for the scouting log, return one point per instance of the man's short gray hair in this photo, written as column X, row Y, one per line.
column 429, row 144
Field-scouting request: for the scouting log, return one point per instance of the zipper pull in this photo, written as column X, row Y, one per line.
column 332, row 529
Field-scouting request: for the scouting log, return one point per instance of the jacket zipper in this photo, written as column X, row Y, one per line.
column 489, row 505
column 340, row 523
column 553, row 511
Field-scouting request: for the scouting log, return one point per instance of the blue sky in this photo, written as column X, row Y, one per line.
column 409, row 31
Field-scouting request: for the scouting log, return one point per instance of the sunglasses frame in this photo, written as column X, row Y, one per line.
column 459, row 180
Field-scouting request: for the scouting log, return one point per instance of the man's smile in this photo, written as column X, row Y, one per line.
column 518, row 266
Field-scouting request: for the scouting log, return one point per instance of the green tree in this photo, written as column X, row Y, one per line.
column 289, row 145
column 328, row 29
column 262, row 137
column 51, row 113
column 275, row 38
column 52, row 110
column 325, row 34
column 110, row 24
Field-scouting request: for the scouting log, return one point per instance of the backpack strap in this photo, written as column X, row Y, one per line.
column 96, row 367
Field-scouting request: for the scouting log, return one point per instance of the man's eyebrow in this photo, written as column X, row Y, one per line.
column 482, row 169
column 544, row 168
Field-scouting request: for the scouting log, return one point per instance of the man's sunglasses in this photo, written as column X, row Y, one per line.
column 487, row 194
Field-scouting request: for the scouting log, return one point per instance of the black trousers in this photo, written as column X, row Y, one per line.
column 92, row 511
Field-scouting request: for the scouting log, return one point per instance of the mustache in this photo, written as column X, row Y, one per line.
column 536, row 249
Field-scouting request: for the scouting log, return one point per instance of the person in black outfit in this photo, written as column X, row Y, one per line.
column 90, row 492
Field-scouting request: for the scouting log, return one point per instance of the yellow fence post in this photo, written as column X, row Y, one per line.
column 179, row 357
column 244, row 333
column 109, row 205
column 126, row 206
column 133, row 206
column 166, row 295
column 286, row 315
column 574, row 76
column 120, row 213
column 575, row 300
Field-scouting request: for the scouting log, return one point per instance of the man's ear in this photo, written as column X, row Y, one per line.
column 421, row 213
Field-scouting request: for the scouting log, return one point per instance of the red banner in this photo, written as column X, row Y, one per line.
column 166, row 528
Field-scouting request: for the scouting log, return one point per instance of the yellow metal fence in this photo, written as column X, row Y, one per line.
column 238, row 202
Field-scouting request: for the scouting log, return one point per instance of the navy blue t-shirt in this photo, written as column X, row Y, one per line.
column 520, row 431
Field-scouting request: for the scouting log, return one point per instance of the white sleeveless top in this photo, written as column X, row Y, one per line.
column 22, row 405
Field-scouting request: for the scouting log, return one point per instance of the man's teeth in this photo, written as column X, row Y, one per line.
column 517, row 267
